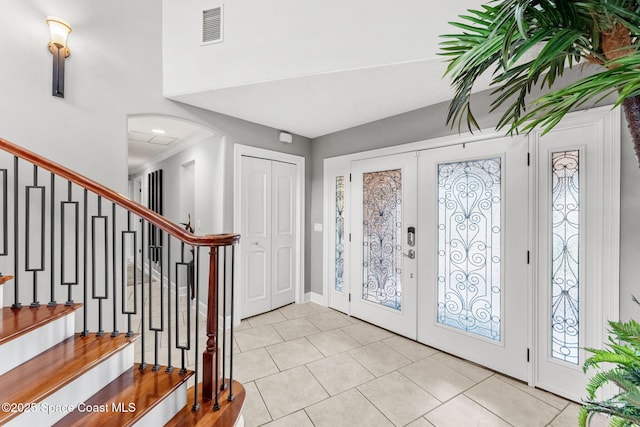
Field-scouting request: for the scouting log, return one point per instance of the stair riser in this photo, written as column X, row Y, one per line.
column 78, row 390
column 23, row 348
column 166, row 409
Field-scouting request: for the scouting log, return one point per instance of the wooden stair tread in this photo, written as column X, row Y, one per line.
column 18, row 322
column 142, row 389
column 51, row 370
column 226, row 416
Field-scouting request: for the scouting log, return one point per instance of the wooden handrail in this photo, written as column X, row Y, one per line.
column 119, row 199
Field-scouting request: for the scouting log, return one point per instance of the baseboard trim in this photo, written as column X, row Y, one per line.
column 315, row 298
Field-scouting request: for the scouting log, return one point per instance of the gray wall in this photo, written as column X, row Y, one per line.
column 428, row 123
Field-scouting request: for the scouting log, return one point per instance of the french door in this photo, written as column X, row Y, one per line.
column 383, row 282
column 473, row 272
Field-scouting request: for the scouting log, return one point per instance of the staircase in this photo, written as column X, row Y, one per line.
column 127, row 346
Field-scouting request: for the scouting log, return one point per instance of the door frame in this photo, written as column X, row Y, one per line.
column 299, row 161
column 340, row 165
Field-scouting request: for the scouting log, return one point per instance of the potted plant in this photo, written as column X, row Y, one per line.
column 624, row 353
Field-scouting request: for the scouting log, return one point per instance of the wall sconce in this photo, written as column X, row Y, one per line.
column 58, row 47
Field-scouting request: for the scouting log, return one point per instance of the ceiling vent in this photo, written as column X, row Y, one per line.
column 212, row 25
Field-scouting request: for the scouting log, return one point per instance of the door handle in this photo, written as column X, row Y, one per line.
column 411, row 254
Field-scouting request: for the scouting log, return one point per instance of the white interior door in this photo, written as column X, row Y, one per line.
column 256, row 236
column 473, row 272
column 383, row 282
column 283, row 226
column 268, row 234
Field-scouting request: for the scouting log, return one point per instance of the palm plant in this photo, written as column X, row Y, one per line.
column 624, row 352
column 529, row 43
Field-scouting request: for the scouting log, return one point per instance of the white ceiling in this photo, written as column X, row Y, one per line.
column 316, row 105
column 144, row 144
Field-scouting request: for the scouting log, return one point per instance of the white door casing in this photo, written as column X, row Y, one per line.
column 383, row 207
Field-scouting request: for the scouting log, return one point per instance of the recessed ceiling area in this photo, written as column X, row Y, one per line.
column 150, row 136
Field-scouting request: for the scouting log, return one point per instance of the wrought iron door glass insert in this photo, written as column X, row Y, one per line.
column 381, row 231
column 565, row 253
column 339, row 281
column 469, row 257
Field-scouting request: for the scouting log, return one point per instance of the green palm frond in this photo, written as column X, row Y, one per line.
column 500, row 35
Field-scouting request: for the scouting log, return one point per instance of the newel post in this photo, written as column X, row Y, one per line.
column 210, row 356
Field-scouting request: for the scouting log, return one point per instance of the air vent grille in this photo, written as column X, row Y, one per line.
column 212, row 25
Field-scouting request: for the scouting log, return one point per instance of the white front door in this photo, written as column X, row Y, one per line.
column 268, row 235
column 472, row 247
column 383, row 281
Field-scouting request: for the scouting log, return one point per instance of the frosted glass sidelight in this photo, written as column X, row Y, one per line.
column 565, row 254
column 382, row 224
column 339, row 259
column 469, row 249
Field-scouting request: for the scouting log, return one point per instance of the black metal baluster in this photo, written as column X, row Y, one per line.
column 94, row 290
column 157, row 330
column 196, row 278
column 223, row 386
column 125, row 284
column 52, row 301
column 5, row 212
column 115, row 332
column 28, row 267
column 85, row 297
column 169, row 363
column 143, row 364
column 233, row 259
column 16, row 237
column 63, row 243
column 187, row 346
column 216, row 261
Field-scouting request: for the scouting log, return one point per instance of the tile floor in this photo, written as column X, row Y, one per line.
column 307, row 365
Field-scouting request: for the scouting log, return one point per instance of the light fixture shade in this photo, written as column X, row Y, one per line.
column 60, row 29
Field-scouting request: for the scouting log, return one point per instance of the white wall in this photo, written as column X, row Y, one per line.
column 277, row 39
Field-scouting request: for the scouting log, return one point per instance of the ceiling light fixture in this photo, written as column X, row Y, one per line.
column 159, row 131
column 58, row 47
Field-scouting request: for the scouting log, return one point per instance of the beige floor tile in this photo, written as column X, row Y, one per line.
column 329, row 320
column 253, row 338
column 420, row 422
column 462, row 411
column 266, row 319
column 365, row 333
column 339, row 373
column 333, row 342
column 254, row 410
column 296, row 328
column 569, row 418
column 296, row 311
column 294, row 353
column 410, row 349
column 437, row 378
column 378, row 358
column 550, row 398
column 297, row 419
column 290, row 391
column 348, row 409
column 252, row 365
column 320, row 308
column 512, row 404
column 472, row 371
column 244, row 324
column 398, row 398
